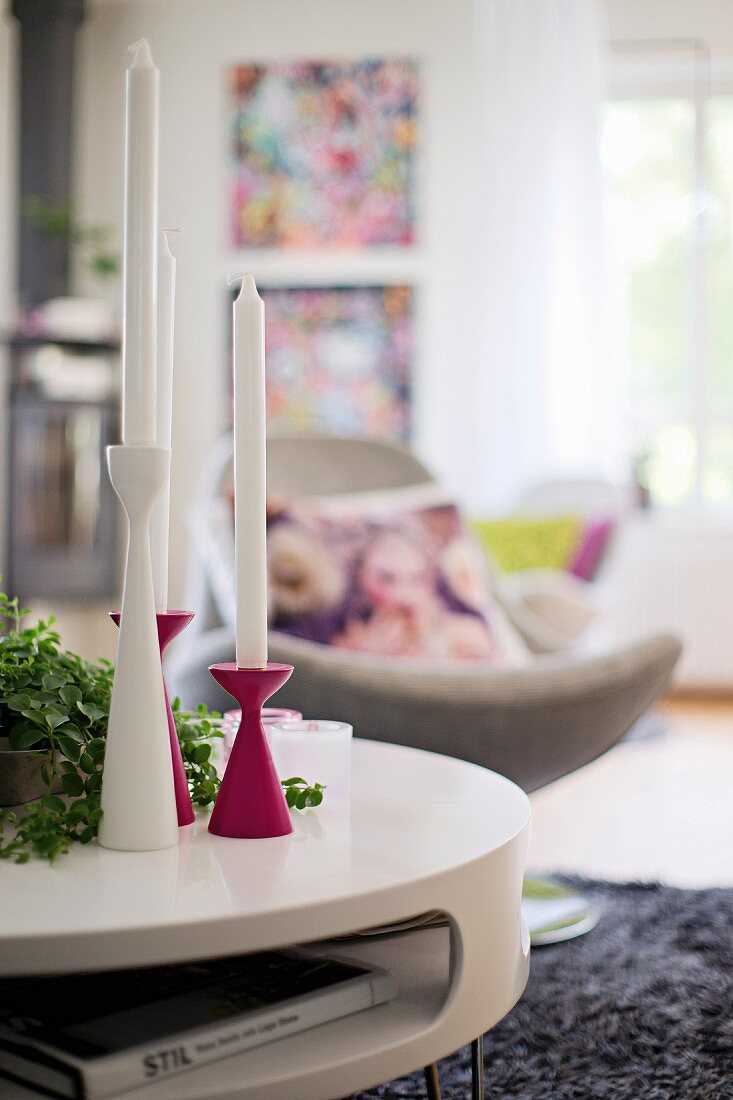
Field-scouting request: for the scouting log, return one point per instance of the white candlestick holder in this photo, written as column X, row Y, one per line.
column 138, row 798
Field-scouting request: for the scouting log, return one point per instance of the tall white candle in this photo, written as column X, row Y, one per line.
column 160, row 521
column 249, row 476
column 141, row 248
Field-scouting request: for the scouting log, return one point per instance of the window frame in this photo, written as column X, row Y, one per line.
column 683, row 69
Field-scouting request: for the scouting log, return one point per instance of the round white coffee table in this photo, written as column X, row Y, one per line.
column 421, row 832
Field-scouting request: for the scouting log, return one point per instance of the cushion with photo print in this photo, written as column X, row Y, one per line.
column 394, row 572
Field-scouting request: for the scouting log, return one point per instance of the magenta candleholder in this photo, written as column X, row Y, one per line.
column 170, row 625
column 251, row 803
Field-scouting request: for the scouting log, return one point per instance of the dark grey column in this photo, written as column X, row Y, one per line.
column 47, row 35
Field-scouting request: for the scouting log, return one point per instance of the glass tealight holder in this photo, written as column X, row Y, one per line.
column 230, row 720
column 319, row 751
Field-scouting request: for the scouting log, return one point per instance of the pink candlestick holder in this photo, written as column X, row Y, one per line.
column 251, row 803
column 270, row 716
column 170, row 625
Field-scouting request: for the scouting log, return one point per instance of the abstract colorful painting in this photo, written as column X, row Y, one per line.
column 339, row 360
column 322, row 154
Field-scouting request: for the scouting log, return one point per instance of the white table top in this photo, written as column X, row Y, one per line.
column 413, row 816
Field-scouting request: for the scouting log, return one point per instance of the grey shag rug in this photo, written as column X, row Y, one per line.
column 641, row 1008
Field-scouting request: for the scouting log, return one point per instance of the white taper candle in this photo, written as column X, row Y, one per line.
column 160, row 521
column 249, row 476
column 141, row 248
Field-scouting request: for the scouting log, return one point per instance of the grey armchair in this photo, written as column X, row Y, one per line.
column 533, row 724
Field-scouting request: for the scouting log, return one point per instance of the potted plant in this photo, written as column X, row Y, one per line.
column 53, row 707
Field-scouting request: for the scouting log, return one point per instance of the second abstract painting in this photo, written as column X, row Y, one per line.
column 339, row 360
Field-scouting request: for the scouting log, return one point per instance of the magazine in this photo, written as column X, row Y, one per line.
column 551, row 911
column 92, row 1036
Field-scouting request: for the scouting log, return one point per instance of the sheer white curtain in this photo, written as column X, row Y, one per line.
column 531, row 396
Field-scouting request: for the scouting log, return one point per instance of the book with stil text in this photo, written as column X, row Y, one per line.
column 91, row 1036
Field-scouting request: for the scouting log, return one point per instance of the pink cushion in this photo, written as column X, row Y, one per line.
column 591, row 548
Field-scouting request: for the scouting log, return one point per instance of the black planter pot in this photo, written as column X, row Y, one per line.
column 20, row 776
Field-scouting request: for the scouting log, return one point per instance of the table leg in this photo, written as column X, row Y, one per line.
column 432, row 1082
column 477, row 1069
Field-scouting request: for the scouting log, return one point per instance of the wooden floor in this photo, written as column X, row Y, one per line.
column 655, row 809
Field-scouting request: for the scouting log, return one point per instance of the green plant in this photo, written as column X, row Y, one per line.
column 52, row 699
column 58, row 221
column 196, row 730
column 299, row 795
column 57, row 703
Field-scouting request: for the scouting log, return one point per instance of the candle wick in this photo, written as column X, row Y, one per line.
column 142, row 56
column 248, row 289
column 249, row 286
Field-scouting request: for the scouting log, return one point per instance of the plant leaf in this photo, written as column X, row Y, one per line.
column 96, row 748
column 54, row 719
column 33, row 715
column 90, row 711
column 18, row 702
column 72, row 731
column 70, row 695
column 53, row 802
column 68, row 747
column 28, row 737
column 52, row 681
column 73, row 784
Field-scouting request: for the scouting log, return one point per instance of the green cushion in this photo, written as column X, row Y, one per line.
column 542, row 542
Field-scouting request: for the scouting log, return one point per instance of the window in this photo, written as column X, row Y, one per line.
column 669, row 164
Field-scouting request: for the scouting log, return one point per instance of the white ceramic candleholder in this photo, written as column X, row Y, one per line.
column 138, row 797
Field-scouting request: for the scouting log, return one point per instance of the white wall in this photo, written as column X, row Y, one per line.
column 193, row 42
